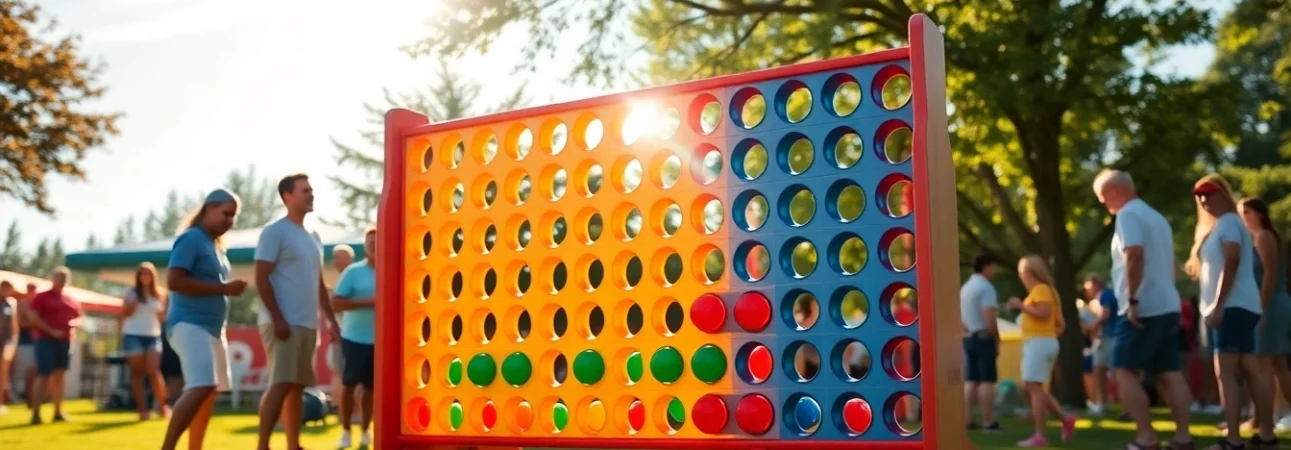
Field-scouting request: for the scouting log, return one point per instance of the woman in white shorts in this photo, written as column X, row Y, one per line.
column 1041, row 321
column 200, row 287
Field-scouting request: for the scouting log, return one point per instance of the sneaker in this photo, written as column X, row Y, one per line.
column 993, row 427
column 1034, row 441
column 1068, row 427
column 1095, row 409
column 1284, row 424
column 345, row 440
column 365, row 440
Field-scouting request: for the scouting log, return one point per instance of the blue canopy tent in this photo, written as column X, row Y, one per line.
column 117, row 264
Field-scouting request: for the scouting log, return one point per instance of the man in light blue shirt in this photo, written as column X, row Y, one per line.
column 289, row 279
column 356, row 296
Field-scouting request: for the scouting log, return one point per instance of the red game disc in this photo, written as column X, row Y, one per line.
column 857, row 415
column 708, row 313
column 753, row 311
column 754, row 414
column 489, row 416
column 760, row 363
column 636, row 415
column 418, row 414
column 709, row 414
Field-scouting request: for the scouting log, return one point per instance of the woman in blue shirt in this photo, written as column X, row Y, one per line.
column 200, row 287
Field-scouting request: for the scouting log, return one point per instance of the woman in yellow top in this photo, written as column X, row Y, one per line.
column 1041, row 321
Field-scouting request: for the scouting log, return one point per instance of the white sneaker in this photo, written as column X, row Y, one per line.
column 345, row 440
column 365, row 440
column 1095, row 409
column 1284, row 425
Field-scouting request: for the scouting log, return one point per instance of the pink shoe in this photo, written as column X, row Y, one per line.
column 1068, row 427
column 1034, row 441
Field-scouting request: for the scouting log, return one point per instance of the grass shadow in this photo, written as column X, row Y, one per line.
column 308, row 429
column 102, row 426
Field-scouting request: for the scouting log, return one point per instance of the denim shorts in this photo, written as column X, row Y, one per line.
column 1153, row 348
column 979, row 358
column 1236, row 332
column 134, row 344
column 52, row 355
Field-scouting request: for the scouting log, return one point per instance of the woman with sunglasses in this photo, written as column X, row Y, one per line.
column 1222, row 259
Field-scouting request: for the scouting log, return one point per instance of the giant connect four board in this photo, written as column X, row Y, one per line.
column 753, row 261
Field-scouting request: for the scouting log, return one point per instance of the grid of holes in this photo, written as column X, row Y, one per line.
column 795, row 155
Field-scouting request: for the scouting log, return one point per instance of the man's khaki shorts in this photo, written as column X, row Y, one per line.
column 290, row 361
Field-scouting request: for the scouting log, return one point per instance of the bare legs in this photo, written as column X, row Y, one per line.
column 1231, row 369
column 273, row 406
column 152, row 363
column 137, row 375
column 980, row 393
column 1042, row 403
column 192, row 413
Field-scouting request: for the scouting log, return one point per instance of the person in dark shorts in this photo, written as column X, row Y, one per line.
column 54, row 317
column 8, row 340
column 356, row 293
column 172, row 372
column 1147, row 325
column 1223, row 261
column 978, row 308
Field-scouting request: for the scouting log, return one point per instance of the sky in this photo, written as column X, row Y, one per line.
column 209, row 86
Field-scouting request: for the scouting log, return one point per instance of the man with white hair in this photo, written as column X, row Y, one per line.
column 1143, row 270
column 54, row 317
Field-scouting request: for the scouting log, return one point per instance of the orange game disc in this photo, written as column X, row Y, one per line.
column 523, row 416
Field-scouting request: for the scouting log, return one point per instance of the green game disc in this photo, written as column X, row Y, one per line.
column 589, row 367
column 455, row 416
column 516, row 369
column 634, row 367
column 708, row 363
column 676, row 411
column 667, row 365
column 560, row 416
column 455, row 372
column 482, row 370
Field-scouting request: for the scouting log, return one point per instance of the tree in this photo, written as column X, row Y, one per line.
column 260, row 205
column 1043, row 95
column 45, row 124
column 450, row 98
column 11, row 257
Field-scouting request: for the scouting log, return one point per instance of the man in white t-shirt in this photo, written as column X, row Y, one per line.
column 1147, row 334
column 978, row 305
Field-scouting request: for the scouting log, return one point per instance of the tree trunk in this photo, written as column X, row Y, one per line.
column 1040, row 142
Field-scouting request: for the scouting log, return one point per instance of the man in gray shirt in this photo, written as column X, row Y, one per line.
column 978, row 305
column 289, row 279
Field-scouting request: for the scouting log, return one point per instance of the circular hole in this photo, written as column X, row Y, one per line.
column 457, row 153
column 427, row 200
column 425, row 288
column 455, row 415
column 670, row 415
column 455, row 330
column 896, row 250
column 629, row 366
column 634, row 320
column 666, row 170
column 559, row 370
column 628, row 221
column 748, row 108
column 896, row 92
column 457, row 284
column 750, row 210
column 523, row 233
column 518, row 324
column 899, row 304
column 752, row 261
column 749, row 159
column 852, row 414
column 418, row 414
column 559, row 416
column 847, row 147
column 849, row 306
column 593, row 132
column 519, row 415
column 559, row 323
column 627, row 174
column 485, row 148
column 797, row 205
column 673, row 317
column 488, row 283
column 427, row 156
column 559, row 276
column 517, row 187
column 753, row 363
column 557, row 137
column 800, row 309
column 848, row 254
column 524, row 326
column 901, row 413
column 795, row 153
column 459, row 195
column 667, row 218
column 425, row 330
column 556, row 183
column 559, row 229
column 851, row 360
column 595, row 322
column 635, row 413
column 668, row 267
column 490, row 328
column 901, row 359
column 523, row 144
column 842, row 95
column 894, row 142
column 426, row 245
column 793, row 101
column 895, row 195
column 453, row 376
column 595, row 226
column 595, row 272
column 591, row 418
column 588, row 178
column 521, row 279
column 706, row 164
column 457, row 241
column 711, row 213
column 798, row 257
column 803, row 361
column 632, row 272
column 705, row 114
column 845, row 201
column 423, row 379
column 712, row 261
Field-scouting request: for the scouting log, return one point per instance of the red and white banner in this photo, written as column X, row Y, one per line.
column 250, row 363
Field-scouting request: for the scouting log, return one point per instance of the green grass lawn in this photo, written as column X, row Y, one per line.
column 237, row 430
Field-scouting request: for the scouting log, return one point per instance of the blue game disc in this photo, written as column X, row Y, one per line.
column 807, row 414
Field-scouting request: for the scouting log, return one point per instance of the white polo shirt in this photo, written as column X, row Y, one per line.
column 975, row 295
column 1138, row 225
